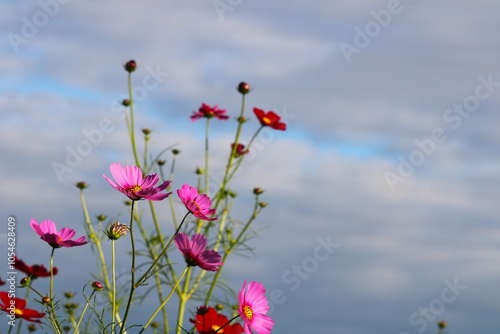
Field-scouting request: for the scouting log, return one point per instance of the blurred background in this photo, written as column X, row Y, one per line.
column 382, row 214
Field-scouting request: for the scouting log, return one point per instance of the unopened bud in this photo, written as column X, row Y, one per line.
column 257, row 191
column 81, row 185
column 244, row 88
column 97, row 286
column 130, row 66
column 125, row 102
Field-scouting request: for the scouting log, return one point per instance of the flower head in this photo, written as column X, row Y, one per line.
column 253, row 307
column 208, row 112
column 131, row 183
column 17, row 307
column 197, row 204
column 47, row 231
column 195, row 251
column 116, row 230
column 33, row 271
column 209, row 322
column 270, row 119
column 240, row 150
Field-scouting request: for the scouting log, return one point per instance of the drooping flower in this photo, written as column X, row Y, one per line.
column 33, row 271
column 17, row 307
column 253, row 307
column 240, row 150
column 197, row 204
column 209, row 322
column 209, row 112
column 129, row 181
column 195, row 251
column 270, row 119
column 47, row 231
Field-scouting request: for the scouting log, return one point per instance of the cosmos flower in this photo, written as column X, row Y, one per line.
column 197, row 204
column 17, row 307
column 208, row 112
column 131, row 183
column 47, row 231
column 33, row 271
column 270, row 119
column 240, row 150
column 208, row 321
column 253, row 307
column 195, row 251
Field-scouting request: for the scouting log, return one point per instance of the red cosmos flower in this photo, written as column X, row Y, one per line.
column 270, row 119
column 240, row 150
column 17, row 307
column 33, row 271
column 209, row 112
column 210, row 322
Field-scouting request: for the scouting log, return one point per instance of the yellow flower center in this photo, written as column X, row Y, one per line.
column 266, row 120
column 216, row 329
column 135, row 189
column 247, row 310
column 18, row 312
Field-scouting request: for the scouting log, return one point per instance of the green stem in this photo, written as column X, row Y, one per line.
column 113, row 278
column 144, row 276
column 132, row 270
column 207, row 133
column 183, row 298
column 130, row 124
column 55, row 322
column 240, row 160
column 83, row 312
column 225, row 180
column 164, row 302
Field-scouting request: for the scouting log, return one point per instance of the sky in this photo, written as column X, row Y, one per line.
column 382, row 215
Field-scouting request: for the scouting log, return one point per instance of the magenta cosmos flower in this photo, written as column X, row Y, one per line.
column 197, row 204
column 130, row 182
column 253, row 307
column 47, row 231
column 195, row 251
column 205, row 111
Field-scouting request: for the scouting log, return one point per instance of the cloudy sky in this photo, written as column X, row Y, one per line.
column 383, row 212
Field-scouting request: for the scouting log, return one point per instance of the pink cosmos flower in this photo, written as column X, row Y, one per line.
column 197, row 204
column 47, row 231
column 208, row 112
column 253, row 307
column 131, row 183
column 195, row 251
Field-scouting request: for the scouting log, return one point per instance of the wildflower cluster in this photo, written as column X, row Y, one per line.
column 205, row 237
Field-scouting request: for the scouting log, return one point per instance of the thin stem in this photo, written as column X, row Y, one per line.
column 83, row 312
column 132, row 270
column 130, row 124
column 225, row 180
column 113, row 278
column 55, row 322
column 144, row 276
column 207, row 133
column 164, row 302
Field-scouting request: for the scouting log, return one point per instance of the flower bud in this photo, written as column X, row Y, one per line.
column 130, row 66
column 146, row 131
column 81, row 185
column 125, row 102
column 257, row 191
column 199, row 171
column 46, row 300
column 202, row 310
column 262, row 204
column 69, row 295
column 116, row 230
column 97, row 286
column 25, row 281
column 244, row 88
column 160, row 162
column 175, row 151
column 442, row 324
column 219, row 307
column 155, row 324
column 101, row 217
column 31, row 328
column 241, row 119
